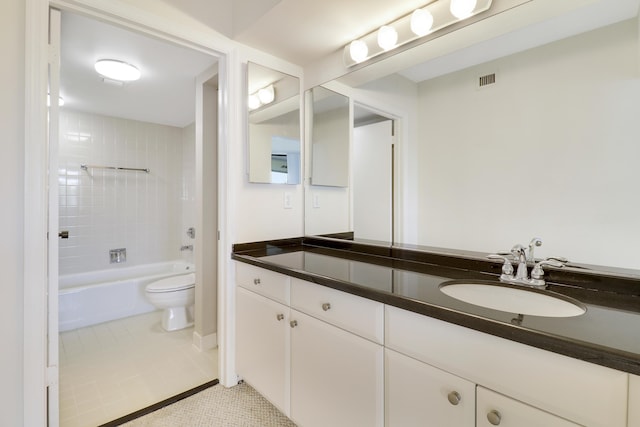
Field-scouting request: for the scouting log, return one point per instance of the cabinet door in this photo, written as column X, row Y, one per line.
column 418, row 394
column 495, row 409
column 262, row 346
column 336, row 376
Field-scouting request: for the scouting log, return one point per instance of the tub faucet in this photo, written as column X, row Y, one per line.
column 186, row 248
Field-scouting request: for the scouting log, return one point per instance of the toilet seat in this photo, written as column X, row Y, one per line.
column 172, row 284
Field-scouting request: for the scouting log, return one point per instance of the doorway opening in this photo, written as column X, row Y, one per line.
column 373, row 174
column 130, row 164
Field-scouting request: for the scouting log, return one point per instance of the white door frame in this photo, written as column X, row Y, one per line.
column 35, row 375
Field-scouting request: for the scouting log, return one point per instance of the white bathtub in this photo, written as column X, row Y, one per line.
column 86, row 299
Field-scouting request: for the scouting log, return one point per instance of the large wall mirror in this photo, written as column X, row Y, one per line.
column 540, row 152
column 274, row 126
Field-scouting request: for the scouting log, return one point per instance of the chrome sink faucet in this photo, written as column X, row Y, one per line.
column 519, row 253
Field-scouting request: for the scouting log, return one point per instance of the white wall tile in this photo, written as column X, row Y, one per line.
column 106, row 209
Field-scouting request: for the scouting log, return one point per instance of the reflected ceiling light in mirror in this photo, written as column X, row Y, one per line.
column 387, row 37
column 433, row 17
column 263, row 96
column 462, row 9
column 421, row 22
column 117, row 70
column 267, row 95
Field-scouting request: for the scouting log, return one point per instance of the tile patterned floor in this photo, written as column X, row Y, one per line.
column 115, row 368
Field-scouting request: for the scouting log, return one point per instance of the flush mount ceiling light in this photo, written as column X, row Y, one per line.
column 114, row 69
column 433, row 17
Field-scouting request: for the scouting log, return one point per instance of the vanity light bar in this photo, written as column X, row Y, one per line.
column 421, row 22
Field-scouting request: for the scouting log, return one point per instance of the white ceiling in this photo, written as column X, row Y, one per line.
column 165, row 93
column 309, row 33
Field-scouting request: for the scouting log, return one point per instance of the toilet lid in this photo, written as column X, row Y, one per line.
column 173, row 283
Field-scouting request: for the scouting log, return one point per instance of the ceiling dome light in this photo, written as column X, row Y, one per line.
column 117, row 70
column 462, row 9
column 421, row 22
column 387, row 37
column 267, row 94
column 358, row 50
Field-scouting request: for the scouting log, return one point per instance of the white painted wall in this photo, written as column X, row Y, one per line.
column 12, row 105
column 551, row 150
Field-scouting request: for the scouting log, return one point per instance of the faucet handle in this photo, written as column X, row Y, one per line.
column 538, row 272
column 507, row 267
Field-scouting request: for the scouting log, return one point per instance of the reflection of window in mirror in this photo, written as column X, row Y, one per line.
column 274, row 125
column 330, row 131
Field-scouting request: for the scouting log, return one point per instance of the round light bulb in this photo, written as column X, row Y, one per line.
column 462, row 9
column 266, row 94
column 387, row 37
column 421, row 22
column 358, row 50
column 117, row 70
column 253, row 102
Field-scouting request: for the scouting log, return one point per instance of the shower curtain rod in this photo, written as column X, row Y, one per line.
column 86, row 167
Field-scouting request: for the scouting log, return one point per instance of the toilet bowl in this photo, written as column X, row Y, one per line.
column 176, row 296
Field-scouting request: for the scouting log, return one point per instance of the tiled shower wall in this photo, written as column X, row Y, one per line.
column 108, row 209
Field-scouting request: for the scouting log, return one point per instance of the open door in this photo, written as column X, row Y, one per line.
column 54, row 234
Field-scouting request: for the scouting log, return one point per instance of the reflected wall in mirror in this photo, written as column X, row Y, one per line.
column 274, row 126
column 549, row 150
column 330, row 132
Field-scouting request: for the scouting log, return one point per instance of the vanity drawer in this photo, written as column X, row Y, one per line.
column 264, row 282
column 579, row 391
column 355, row 314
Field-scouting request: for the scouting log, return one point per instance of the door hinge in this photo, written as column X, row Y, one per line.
column 52, row 375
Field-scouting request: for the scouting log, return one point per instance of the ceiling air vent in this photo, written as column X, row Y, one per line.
column 487, row 80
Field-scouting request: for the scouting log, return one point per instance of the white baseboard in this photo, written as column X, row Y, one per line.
column 206, row 342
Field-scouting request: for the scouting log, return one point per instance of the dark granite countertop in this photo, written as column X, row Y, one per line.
column 608, row 334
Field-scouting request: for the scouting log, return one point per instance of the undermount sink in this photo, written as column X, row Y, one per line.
column 513, row 299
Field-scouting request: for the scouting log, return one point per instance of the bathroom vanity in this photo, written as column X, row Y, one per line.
column 334, row 332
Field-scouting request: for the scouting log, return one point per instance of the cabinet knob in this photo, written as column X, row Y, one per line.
column 326, row 306
column 256, row 281
column 293, row 323
column 494, row 417
column 454, row 398
column 280, row 316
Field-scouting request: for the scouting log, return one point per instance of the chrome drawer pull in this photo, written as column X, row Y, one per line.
column 326, row 306
column 454, row 398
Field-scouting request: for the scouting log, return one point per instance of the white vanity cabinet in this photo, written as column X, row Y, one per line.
column 262, row 332
column 315, row 352
column 336, row 357
column 417, row 394
column 570, row 389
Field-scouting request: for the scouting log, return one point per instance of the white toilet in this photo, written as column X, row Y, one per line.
column 176, row 295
